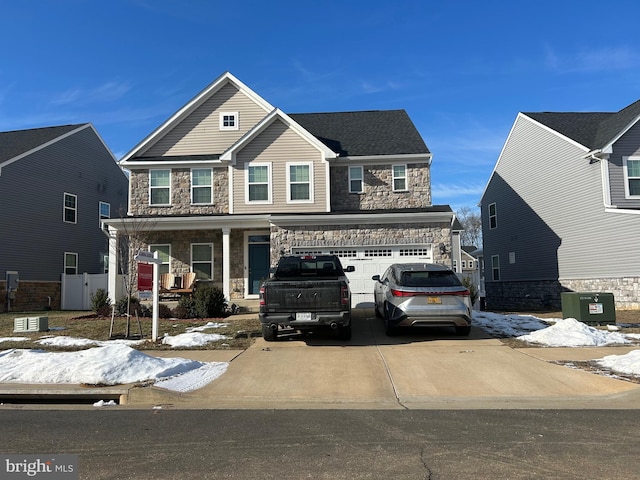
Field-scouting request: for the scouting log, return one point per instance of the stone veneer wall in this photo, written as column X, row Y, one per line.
column 284, row 239
column 378, row 189
column 32, row 296
column 180, row 193
column 545, row 295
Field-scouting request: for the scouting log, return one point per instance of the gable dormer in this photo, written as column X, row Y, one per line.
column 208, row 125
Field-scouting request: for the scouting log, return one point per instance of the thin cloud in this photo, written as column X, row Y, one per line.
column 592, row 60
column 107, row 92
column 441, row 190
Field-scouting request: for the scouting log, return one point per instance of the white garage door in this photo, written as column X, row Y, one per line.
column 369, row 261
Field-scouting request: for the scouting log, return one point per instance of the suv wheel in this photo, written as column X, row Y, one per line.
column 463, row 331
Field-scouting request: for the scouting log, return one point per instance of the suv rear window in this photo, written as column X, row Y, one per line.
column 430, row 279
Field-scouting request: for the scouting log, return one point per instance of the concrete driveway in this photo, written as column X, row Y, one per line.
column 415, row 370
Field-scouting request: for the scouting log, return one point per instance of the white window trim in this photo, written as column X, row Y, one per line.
column 212, row 257
column 393, row 178
column 293, row 164
column 495, row 215
column 495, row 267
column 193, row 187
column 154, row 246
column 361, row 179
column 65, row 262
column 236, row 120
column 625, row 170
column 269, row 199
column 65, row 208
column 151, row 188
column 101, row 218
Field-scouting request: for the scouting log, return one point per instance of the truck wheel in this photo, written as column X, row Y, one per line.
column 269, row 334
column 344, row 332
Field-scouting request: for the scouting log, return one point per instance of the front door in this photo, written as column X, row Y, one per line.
column 259, row 255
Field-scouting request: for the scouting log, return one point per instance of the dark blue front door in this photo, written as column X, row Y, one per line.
column 258, row 265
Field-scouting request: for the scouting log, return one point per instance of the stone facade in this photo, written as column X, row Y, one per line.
column 32, row 296
column 378, row 189
column 180, row 194
column 545, row 295
column 284, row 239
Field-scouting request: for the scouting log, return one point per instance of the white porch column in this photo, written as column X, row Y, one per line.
column 226, row 263
column 112, row 281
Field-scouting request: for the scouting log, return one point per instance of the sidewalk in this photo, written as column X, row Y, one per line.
column 372, row 371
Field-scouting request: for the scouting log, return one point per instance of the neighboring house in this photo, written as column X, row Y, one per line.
column 229, row 183
column 561, row 211
column 57, row 184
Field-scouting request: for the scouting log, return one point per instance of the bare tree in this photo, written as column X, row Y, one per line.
column 134, row 234
column 472, row 222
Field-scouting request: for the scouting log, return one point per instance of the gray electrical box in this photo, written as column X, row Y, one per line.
column 12, row 279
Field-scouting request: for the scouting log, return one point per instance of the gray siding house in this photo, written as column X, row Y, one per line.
column 57, row 185
column 561, row 211
column 229, row 183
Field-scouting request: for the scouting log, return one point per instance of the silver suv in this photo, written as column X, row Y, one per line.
column 422, row 295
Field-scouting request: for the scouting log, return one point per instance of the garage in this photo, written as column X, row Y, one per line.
column 369, row 261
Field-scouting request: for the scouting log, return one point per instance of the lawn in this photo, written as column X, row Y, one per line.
column 240, row 329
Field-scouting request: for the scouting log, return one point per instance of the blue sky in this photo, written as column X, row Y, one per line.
column 462, row 70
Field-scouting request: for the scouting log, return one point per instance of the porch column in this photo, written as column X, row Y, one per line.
column 226, row 263
column 112, row 278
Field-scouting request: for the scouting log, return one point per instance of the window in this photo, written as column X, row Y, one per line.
column 104, row 213
column 299, row 182
column 105, row 263
column 258, row 183
column 464, row 264
column 201, row 186
column 356, row 176
column 202, row 260
column 70, row 263
column 632, row 177
column 160, row 187
column 495, row 268
column 493, row 216
column 399, row 178
column 228, row 120
column 70, row 208
column 164, row 255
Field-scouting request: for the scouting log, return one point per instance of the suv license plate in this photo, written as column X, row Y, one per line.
column 303, row 316
column 432, row 300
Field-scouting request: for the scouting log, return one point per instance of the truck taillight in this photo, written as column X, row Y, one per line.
column 344, row 294
column 263, row 296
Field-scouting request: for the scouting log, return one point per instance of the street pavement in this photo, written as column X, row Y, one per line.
column 431, row 369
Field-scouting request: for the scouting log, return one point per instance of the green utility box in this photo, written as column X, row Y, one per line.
column 589, row 307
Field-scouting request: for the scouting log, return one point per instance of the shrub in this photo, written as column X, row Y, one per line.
column 473, row 289
column 209, row 301
column 186, row 308
column 133, row 305
column 101, row 303
column 164, row 311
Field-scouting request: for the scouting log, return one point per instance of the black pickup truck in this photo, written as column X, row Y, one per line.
column 305, row 293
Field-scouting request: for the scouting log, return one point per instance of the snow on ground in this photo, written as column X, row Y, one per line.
column 116, row 362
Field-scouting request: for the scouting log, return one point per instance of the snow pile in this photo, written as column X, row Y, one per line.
column 572, row 333
column 508, row 325
column 192, row 339
column 628, row 364
column 112, row 365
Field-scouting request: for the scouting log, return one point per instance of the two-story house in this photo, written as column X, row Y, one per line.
column 229, row 183
column 57, row 186
column 561, row 211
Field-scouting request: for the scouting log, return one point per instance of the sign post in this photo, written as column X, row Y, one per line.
column 153, row 258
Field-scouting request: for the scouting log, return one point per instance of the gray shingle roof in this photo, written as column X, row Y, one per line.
column 17, row 142
column 364, row 133
column 594, row 130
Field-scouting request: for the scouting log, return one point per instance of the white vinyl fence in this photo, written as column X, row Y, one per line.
column 76, row 290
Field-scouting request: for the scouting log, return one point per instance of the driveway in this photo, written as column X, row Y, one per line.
column 415, row 370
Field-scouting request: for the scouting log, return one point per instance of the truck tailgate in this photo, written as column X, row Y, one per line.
column 299, row 296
